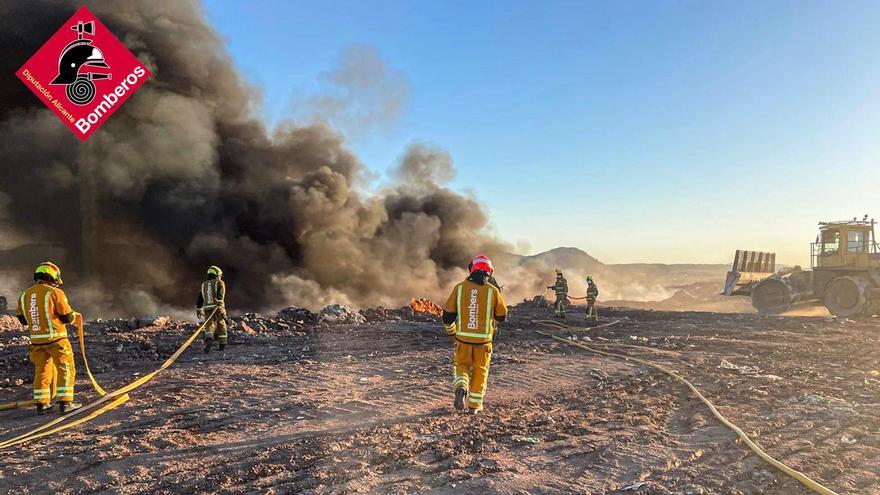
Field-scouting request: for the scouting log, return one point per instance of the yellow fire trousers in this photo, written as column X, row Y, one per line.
column 215, row 328
column 559, row 305
column 55, row 371
column 472, row 370
column 591, row 310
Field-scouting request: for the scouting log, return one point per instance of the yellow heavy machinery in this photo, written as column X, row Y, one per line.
column 845, row 274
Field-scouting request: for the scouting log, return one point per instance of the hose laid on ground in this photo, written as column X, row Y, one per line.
column 573, row 329
column 799, row 476
column 104, row 403
column 15, row 405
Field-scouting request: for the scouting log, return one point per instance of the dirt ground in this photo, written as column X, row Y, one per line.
column 366, row 408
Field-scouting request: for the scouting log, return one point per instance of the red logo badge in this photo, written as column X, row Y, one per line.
column 83, row 73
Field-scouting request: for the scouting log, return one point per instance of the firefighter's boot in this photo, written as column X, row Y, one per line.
column 208, row 344
column 43, row 409
column 66, row 407
column 460, row 394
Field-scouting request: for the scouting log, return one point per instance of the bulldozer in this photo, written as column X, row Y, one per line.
column 844, row 274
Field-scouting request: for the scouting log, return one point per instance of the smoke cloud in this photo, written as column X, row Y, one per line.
column 359, row 94
column 185, row 176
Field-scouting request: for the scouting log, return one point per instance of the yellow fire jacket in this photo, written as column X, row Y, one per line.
column 476, row 307
column 45, row 308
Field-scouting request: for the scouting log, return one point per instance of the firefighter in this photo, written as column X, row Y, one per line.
column 212, row 295
column 469, row 320
column 561, row 290
column 592, row 295
column 43, row 309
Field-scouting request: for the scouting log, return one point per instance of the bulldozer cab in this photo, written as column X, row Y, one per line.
column 845, row 244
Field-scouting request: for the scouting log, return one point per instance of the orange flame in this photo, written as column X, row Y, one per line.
column 425, row 306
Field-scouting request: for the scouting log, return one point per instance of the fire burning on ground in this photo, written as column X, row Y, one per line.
column 425, row 306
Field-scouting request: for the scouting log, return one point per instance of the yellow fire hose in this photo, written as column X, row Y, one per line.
column 801, row 477
column 82, row 350
column 106, row 402
column 15, row 405
column 571, row 328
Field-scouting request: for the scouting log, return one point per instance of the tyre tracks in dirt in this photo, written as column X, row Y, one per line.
column 368, row 409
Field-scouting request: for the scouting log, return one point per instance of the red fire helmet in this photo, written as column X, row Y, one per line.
column 483, row 263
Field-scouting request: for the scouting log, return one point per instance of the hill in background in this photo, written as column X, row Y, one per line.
column 676, row 287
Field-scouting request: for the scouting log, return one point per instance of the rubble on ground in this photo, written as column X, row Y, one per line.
column 301, row 316
column 153, row 321
column 123, row 324
column 287, row 320
column 538, row 301
column 8, row 322
column 373, row 315
column 340, row 313
column 249, row 324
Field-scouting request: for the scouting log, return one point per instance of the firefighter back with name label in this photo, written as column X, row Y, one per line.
column 469, row 319
column 43, row 309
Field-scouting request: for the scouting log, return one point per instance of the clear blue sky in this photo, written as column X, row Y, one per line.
column 672, row 131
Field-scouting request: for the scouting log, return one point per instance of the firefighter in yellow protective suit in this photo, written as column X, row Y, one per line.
column 212, row 295
column 43, row 309
column 560, row 288
column 469, row 320
column 592, row 295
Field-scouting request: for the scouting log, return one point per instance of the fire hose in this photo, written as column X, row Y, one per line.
column 82, row 350
column 548, row 289
column 797, row 475
column 107, row 401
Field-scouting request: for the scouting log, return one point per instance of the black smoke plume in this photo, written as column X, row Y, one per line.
column 185, row 175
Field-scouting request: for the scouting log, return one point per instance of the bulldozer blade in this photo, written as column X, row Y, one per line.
column 749, row 268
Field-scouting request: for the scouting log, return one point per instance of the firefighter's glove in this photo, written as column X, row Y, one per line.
column 450, row 331
column 200, row 315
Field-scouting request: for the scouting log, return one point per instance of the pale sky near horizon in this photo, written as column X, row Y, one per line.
column 663, row 131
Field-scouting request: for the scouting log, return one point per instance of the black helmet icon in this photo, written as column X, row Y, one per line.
column 76, row 55
column 74, row 58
